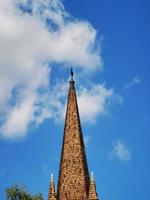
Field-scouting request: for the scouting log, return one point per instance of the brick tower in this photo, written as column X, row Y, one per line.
column 74, row 182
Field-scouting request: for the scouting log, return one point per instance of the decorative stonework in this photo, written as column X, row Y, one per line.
column 73, row 181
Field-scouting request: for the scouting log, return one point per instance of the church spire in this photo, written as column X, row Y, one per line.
column 51, row 195
column 92, row 190
column 73, row 182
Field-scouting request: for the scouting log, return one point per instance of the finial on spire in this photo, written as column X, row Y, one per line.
column 52, row 178
column 71, row 74
column 71, row 81
column 92, row 176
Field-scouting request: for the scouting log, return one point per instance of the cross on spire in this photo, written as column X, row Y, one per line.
column 71, row 73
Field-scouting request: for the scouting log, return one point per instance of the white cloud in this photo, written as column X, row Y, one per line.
column 135, row 81
column 27, row 45
column 120, row 151
column 73, row 42
column 22, row 102
column 94, row 101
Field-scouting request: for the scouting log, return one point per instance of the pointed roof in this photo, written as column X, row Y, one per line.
column 73, row 182
column 51, row 195
column 92, row 190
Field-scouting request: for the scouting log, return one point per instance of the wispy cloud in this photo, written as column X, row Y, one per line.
column 134, row 81
column 86, row 140
column 120, row 151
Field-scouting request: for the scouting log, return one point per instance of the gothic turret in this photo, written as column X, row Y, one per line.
column 51, row 195
column 92, row 191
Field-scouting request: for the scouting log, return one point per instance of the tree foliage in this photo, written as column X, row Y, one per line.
column 20, row 193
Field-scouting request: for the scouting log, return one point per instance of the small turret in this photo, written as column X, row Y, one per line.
column 92, row 190
column 51, row 195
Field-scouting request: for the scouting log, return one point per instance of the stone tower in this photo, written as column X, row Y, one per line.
column 74, row 182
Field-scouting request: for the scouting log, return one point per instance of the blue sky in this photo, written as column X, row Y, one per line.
column 107, row 43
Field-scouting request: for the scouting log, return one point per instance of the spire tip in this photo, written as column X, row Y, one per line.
column 71, row 73
column 52, row 178
column 92, row 176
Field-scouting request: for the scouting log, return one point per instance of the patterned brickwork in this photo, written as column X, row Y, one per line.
column 73, row 183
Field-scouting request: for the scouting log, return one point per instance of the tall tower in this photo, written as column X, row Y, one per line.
column 74, row 182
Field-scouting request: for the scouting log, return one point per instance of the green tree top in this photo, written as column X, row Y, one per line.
column 19, row 193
